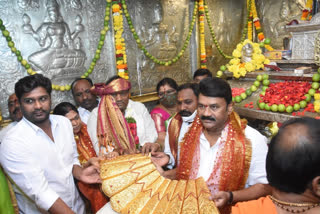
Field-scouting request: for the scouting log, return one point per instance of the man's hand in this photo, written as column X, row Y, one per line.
column 111, row 155
column 160, row 158
column 95, row 161
column 221, row 198
column 150, row 147
column 90, row 175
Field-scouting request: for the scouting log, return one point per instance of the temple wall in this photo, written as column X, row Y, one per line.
column 63, row 49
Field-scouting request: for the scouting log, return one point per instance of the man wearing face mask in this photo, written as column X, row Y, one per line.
column 14, row 113
column 222, row 149
column 167, row 92
column 187, row 109
column 116, row 114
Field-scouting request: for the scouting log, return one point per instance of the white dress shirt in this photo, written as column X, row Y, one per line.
column 146, row 129
column 84, row 114
column 4, row 131
column 257, row 170
column 40, row 167
column 186, row 123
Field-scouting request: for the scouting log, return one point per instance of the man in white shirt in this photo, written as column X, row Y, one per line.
column 219, row 147
column 187, row 109
column 146, row 132
column 85, row 100
column 14, row 113
column 40, row 154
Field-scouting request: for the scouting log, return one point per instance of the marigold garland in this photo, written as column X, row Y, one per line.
column 257, row 25
column 202, row 36
column 30, row 71
column 306, row 12
column 120, row 45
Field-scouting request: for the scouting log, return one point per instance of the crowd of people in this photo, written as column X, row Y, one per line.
column 51, row 158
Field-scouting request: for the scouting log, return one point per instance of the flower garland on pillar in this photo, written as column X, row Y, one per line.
column 203, row 56
column 120, row 46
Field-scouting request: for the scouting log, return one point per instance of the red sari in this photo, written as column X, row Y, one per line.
column 86, row 151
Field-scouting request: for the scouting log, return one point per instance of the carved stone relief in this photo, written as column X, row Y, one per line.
column 275, row 15
column 227, row 18
column 163, row 35
column 58, row 38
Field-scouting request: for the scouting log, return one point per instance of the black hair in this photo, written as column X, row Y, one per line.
column 28, row 83
column 293, row 159
column 112, row 78
column 78, row 79
column 202, row 72
column 216, row 87
column 64, row 108
column 193, row 86
column 167, row 81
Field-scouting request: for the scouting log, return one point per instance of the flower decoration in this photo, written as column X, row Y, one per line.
column 133, row 129
column 240, row 69
column 120, row 46
column 257, row 25
column 202, row 36
column 306, row 12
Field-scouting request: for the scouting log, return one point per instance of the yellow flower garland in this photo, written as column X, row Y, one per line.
column 240, row 69
column 120, row 46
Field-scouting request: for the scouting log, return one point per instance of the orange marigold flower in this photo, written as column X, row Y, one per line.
column 123, row 66
column 260, row 36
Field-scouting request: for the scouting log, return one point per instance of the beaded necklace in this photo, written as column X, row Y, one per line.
column 286, row 205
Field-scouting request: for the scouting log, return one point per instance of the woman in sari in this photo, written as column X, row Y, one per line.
column 86, row 152
column 167, row 107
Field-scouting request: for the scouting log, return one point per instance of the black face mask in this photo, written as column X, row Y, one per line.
column 169, row 100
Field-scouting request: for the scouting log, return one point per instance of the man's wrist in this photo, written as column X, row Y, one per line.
column 230, row 201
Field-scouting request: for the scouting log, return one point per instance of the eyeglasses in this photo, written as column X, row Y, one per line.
column 162, row 93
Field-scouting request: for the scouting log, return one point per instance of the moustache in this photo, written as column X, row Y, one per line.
column 185, row 113
column 207, row 118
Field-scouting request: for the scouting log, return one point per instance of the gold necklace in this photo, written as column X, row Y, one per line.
column 286, row 205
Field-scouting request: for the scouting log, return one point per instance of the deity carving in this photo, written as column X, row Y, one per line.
column 61, row 50
column 246, row 52
column 288, row 12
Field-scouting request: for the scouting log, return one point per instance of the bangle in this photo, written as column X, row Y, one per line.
column 230, row 197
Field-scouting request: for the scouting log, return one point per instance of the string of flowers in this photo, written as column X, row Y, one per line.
column 143, row 48
column 250, row 27
column 27, row 66
column 256, row 21
column 120, row 46
column 306, row 12
column 202, row 36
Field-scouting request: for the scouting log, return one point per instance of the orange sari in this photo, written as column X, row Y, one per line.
column 86, row 151
column 231, row 167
